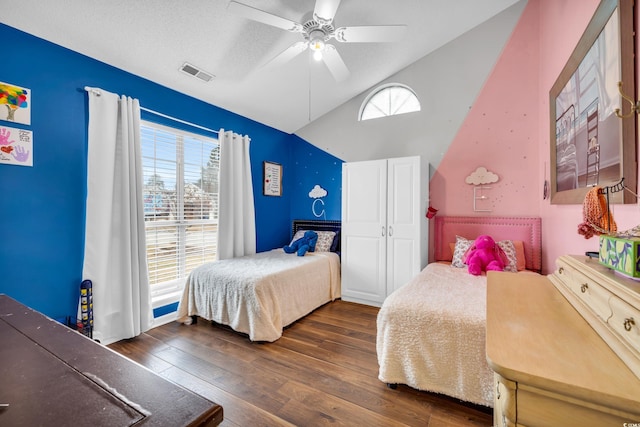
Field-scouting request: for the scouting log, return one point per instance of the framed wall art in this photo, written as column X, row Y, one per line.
column 16, row 146
column 272, row 179
column 15, row 103
column 592, row 145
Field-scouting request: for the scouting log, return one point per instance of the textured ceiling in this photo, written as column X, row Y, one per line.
column 153, row 38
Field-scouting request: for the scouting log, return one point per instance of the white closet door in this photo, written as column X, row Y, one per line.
column 403, row 221
column 364, row 201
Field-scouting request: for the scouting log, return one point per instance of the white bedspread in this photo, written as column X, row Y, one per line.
column 431, row 335
column 262, row 293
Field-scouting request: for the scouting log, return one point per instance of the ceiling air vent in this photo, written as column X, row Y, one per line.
column 196, row 72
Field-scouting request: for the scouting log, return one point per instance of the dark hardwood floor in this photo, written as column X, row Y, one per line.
column 323, row 371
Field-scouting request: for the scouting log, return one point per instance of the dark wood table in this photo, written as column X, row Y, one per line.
column 52, row 375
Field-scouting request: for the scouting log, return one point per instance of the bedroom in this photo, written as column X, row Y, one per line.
column 42, row 234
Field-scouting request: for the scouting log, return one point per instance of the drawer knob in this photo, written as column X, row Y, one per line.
column 561, row 270
column 584, row 287
column 497, row 391
column 628, row 323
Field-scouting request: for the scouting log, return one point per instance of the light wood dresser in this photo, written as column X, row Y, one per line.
column 565, row 347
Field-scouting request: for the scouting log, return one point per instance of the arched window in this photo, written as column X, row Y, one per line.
column 389, row 100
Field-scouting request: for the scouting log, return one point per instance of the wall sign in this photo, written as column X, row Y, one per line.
column 272, row 179
column 317, row 207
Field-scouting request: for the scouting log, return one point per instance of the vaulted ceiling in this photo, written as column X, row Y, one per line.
column 154, row 38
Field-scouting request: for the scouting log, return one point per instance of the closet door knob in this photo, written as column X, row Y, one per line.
column 383, row 231
column 390, row 231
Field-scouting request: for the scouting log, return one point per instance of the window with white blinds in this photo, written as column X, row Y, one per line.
column 180, row 203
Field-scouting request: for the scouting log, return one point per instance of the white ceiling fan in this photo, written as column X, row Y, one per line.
column 318, row 31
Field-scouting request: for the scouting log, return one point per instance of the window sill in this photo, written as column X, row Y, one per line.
column 164, row 296
column 161, row 300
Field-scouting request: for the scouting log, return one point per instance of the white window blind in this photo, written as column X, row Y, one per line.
column 180, row 203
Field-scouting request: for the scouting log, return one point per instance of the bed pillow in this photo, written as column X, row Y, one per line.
column 516, row 263
column 336, row 242
column 460, row 248
column 325, row 239
column 521, row 260
column 510, row 250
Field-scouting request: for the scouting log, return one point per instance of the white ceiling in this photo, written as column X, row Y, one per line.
column 153, row 38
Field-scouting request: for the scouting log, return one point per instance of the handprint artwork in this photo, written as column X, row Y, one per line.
column 5, row 133
column 21, row 155
column 16, row 146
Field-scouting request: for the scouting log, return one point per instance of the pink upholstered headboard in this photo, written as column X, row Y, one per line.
column 526, row 229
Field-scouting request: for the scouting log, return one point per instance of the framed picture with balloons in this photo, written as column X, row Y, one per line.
column 15, row 103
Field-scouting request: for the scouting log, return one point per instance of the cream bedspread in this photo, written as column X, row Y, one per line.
column 261, row 294
column 431, row 335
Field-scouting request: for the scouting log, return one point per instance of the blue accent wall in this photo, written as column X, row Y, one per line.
column 314, row 167
column 42, row 232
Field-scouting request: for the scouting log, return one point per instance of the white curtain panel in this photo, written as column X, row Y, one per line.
column 236, row 215
column 115, row 248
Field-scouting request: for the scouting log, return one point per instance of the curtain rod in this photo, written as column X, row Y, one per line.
column 93, row 90
column 178, row 120
column 97, row 92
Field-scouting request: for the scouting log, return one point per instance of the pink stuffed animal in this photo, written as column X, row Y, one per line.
column 485, row 255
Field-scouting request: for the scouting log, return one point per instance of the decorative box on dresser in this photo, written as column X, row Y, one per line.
column 565, row 348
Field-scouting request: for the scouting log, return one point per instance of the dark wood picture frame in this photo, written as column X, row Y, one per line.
column 574, row 174
column 271, row 179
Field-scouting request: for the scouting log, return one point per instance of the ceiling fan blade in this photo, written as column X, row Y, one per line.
column 371, row 34
column 287, row 55
column 326, row 9
column 334, row 63
column 258, row 15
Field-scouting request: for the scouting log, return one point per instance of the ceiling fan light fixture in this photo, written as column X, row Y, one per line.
column 316, row 40
column 317, row 44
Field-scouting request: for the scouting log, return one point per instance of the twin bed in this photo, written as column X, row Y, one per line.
column 261, row 294
column 431, row 331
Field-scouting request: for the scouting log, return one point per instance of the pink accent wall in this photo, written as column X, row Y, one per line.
column 507, row 131
column 499, row 133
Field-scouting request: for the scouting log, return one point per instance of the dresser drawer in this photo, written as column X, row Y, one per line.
column 625, row 320
column 504, row 402
column 543, row 408
column 591, row 293
column 608, row 302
